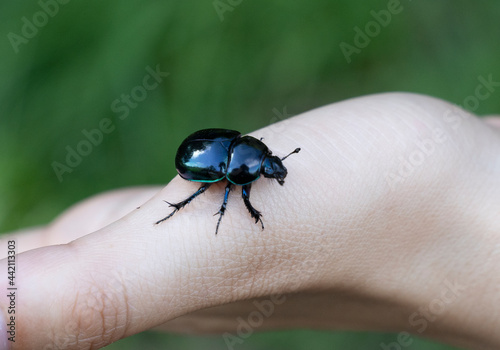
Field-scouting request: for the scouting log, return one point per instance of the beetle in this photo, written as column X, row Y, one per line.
column 212, row 155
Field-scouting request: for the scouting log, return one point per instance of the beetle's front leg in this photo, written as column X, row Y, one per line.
column 246, row 199
column 183, row 203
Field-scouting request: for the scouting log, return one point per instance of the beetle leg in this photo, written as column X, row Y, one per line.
column 182, row 204
column 222, row 209
column 246, row 199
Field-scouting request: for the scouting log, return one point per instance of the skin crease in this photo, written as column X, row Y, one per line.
column 390, row 212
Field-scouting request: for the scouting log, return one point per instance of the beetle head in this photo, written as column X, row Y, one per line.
column 273, row 167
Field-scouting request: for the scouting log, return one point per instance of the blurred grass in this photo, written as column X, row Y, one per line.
column 281, row 340
column 229, row 73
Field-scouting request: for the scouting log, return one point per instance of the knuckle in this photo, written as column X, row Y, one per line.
column 99, row 313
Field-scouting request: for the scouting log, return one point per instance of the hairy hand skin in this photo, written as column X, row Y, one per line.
column 389, row 216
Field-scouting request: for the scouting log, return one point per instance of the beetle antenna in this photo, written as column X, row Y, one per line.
column 297, row 150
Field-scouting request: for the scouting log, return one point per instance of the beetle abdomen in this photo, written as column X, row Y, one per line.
column 204, row 155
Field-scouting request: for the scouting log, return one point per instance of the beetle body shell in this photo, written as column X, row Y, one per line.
column 210, row 155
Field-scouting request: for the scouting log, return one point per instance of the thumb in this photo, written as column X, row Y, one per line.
column 121, row 280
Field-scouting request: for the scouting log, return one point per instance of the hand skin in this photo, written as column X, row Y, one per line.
column 389, row 220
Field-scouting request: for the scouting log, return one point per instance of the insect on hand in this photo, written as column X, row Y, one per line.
column 212, row 155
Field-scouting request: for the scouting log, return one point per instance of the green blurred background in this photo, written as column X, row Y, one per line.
column 229, row 67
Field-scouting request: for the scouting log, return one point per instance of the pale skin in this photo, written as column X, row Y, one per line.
column 389, row 220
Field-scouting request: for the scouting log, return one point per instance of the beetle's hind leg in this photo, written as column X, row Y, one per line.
column 222, row 209
column 182, row 204
column 246, row 199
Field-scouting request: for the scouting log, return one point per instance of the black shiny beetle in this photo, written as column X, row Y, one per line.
column 210, row 155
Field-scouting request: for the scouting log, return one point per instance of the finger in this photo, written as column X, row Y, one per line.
column 82, row 218
column 97, row 212
column 492, row 120
column 29, row 238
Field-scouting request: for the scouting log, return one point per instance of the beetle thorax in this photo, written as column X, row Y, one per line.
column 273, row 167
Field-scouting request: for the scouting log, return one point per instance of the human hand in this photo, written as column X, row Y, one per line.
column 393, row 199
